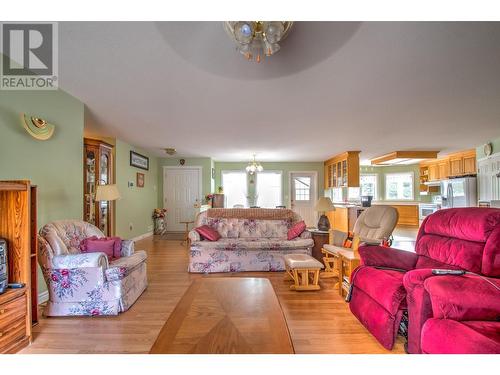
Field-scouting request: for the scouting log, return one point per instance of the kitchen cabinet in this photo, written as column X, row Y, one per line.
column 443, row 169
column 342, row 170
column 408, row 214
column 343, row 218
column 433, row 172
column 469, row 163
column 455, row 165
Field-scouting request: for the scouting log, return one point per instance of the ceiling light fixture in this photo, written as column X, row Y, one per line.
column 257, row 39
column 170, row 151
column 403, row 157
column 254, row 166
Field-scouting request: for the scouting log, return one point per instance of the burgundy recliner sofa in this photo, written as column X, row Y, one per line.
column 390, row 282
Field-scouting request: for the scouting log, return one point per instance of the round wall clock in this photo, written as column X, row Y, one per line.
column 488, row 149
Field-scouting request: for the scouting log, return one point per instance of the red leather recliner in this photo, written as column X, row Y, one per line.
column 390, row 281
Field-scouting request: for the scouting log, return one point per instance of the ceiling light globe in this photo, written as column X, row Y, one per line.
column 243, row 32
column 273, row 31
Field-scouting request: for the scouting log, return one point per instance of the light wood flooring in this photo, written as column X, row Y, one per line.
column 319, row 321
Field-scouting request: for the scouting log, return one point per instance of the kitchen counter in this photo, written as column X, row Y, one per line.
column 397, row 203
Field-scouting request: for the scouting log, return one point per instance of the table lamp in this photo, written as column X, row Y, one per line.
column 107, row 193
column 324, row 204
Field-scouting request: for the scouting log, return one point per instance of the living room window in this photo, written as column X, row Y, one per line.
column 368, row 184
column 234, row 184
column 399, row 186
column 269, row 188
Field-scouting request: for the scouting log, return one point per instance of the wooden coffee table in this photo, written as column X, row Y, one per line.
column 226, row 315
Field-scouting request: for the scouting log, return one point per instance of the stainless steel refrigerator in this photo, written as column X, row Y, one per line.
column 459, row 192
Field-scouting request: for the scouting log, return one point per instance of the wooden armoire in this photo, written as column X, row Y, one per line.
column 18, row 227
column 97, row 170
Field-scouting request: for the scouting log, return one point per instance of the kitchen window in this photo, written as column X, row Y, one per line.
column 399, row 186
column 368, row 184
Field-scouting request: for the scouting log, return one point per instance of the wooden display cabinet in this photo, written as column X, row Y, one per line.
column 342, row 170
column 18, row 228
column 97, row 170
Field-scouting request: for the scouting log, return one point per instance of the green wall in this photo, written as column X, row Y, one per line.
column 206, row 178
column 381, row 171
column 55, row 165
column 137, row 204
column 496, row 148
column 285, row 167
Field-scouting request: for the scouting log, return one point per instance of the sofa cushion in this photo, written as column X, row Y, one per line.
column 208, row 233
column 445, row 336
column 254, row 244
column 383, row 286
column 249, row 228
column 296, row 230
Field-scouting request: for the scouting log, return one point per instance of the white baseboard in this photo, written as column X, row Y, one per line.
column 43, row 297
column 142, row 236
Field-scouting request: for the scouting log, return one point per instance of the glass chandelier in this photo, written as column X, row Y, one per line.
column 257, row 39
column 254, row 166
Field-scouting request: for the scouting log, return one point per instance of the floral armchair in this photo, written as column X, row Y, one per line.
column 86, row 283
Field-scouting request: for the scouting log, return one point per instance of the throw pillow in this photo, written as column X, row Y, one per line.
column 296, row 230
column 111, row 246
column 208, row 233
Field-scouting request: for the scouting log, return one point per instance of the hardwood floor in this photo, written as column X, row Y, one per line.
column 318, row 321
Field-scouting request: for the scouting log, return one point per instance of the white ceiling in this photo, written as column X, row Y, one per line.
column 334, row 86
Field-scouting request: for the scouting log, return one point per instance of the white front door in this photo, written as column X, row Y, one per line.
column 181, row 191
column 303, row 196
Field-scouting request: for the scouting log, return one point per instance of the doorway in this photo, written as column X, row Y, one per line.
column 181, row 192
column 303, row 195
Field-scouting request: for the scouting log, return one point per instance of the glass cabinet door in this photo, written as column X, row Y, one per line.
column 90, row 171
column 103, row 207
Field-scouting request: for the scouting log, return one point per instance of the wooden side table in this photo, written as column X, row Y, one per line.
column 320, row 237
column 186, row 234
column 348, row 261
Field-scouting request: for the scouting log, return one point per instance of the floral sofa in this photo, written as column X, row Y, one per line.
column 252, row 239
column 86, row 283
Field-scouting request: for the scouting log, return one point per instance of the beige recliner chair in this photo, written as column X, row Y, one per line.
column 372, row 226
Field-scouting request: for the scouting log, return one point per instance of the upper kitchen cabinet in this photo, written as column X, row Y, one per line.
column 342, row 170
column 455, row 165
column 463, row 163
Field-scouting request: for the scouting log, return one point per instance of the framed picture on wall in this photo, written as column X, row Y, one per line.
column 139, row 161
column 140, row 180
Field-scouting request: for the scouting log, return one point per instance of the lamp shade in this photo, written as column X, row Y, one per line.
column 107, row 193
column 324, row 204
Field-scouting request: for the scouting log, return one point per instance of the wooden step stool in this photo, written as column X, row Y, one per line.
column 303, row 270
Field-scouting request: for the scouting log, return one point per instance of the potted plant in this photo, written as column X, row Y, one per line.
column 159, row 215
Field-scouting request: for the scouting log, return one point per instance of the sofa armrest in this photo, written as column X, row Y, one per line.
column 467, row 297
column 194, row 236
column 80, row 260
column 305, row 234
column 128, row 248
column 379, row 256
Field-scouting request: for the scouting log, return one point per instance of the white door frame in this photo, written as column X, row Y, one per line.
column 195, row 167
column 315, row 192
